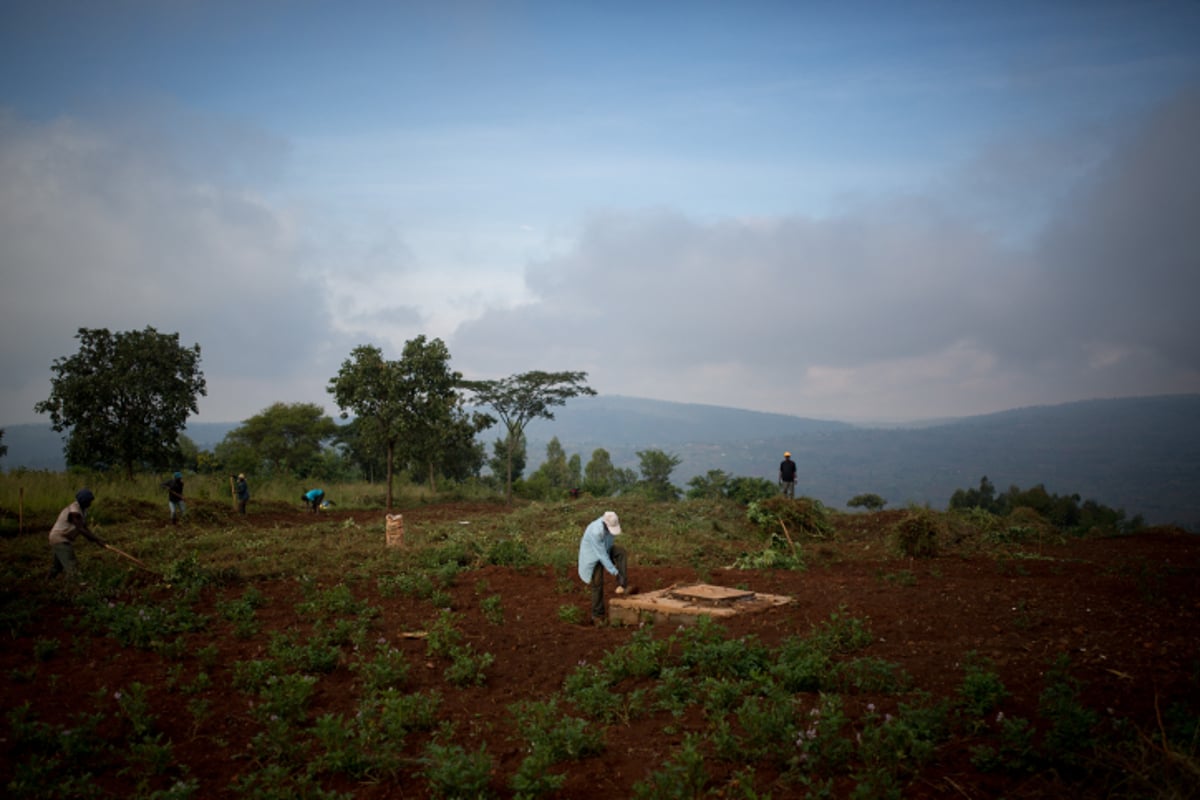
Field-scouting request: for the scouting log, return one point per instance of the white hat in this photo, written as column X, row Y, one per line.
column 612, row 523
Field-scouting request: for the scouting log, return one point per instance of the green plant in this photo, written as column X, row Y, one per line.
column 467, row 667
column 387, row 669
column 44, row 648
column 1071, row 733
column 981, row 690
column 918, row 532
column 681, row 777
column 453, row 772
column 135, row 707
column 493, row 609
column 572, row 615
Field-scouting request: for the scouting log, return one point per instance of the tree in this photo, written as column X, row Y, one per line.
column 869, row 501
column 409, row 407
column 501, row 458
column 520, row 399
column 656, row 469
column 282, row 439
column 708, row 487
column 3, row 447
column 124, row 398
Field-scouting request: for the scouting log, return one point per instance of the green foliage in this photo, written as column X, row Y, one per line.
column 572, row 615
column 800, row 518
column 1071, row 734
column 453, row 773
column 681, row 777
column 551, row 737
column 602, row 479
column 520, row 399
column 918, row 532
column 283, row 439
column 410, row 409
column 981, row 690
column 1062, row 511
column 871, row 502
column 744, row 490
column 656, row 467
column 124, row 398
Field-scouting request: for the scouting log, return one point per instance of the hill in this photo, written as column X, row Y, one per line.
column 1141, row 454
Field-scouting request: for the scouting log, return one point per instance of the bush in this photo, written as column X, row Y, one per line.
column 803, row 517
column 871, row 502
column 917, row 534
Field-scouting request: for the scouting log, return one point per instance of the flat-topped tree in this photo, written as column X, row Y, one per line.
column 520, row 399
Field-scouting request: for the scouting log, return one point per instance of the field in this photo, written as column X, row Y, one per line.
column 291, row 655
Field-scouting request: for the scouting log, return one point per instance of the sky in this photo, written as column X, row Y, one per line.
column 866, row 211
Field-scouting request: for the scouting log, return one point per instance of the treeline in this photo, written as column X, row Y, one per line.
column 1066, row 512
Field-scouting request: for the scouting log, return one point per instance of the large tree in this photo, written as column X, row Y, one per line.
column 409, row 407
column 282, row 439
column 520, row 399
column 124, row 398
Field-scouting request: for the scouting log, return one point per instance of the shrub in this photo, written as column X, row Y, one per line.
column 801, row 518
column 917, row 534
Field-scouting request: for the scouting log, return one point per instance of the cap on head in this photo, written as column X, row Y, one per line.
column 178, row 474
column 612, row 523
column 241, row 476
column 84, row 497
column 787, row 455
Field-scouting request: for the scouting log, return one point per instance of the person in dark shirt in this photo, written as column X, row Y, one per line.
column 174, row 489
column 787, row 475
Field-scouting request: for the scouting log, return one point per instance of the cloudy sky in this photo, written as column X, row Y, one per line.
column 858, row 211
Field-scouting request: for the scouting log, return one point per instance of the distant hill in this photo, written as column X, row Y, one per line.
column 1141, row 454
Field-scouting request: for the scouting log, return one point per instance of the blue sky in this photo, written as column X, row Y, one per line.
column 862, row 211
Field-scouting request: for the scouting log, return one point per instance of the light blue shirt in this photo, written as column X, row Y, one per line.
column 593, row 550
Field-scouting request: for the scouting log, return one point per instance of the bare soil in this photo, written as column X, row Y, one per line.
column 1125, row 610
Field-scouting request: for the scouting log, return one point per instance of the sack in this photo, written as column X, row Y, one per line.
column 395, row 530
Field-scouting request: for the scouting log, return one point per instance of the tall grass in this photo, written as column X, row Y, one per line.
column 31, row 499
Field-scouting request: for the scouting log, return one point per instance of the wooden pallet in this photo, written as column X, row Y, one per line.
column 684, row 605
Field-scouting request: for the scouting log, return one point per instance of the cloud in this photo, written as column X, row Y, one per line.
column 1122, row 255
column 127, row 225
column 899, row 307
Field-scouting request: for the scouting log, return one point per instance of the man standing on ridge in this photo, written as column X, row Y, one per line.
column 597, row 555
column 787, row 475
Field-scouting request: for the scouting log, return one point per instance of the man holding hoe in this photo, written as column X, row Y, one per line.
column 71, row 523
column 597, row 555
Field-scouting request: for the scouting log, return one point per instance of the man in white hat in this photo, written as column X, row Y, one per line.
column 597, row 555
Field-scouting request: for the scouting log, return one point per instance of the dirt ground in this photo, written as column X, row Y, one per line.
column 1125, row 610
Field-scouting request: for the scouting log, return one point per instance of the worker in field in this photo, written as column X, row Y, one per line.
column 313, row 498
column 71, row 523
column 241, row 490
column 787, row 475
column 597, row 555
column 174, row 489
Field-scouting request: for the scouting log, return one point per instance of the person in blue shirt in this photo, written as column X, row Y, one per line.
column 242, row 491
column 597, row 555
column 312, row 498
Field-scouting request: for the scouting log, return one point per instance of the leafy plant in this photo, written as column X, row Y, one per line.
column 917, row 534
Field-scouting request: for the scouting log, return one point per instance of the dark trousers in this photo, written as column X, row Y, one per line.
column 617, row 555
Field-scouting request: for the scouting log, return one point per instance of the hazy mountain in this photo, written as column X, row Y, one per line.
column 1141, row 454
